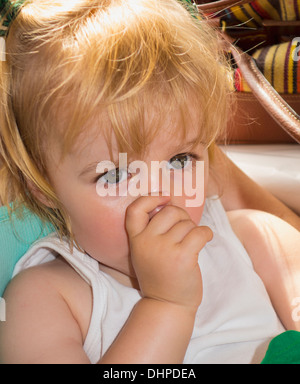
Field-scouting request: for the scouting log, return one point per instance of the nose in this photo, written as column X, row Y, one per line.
column 159, row 179
column 151, row 179
column 159, row 185
column 155, row 184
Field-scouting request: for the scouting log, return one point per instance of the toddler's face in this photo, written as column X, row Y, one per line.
column 96, row 199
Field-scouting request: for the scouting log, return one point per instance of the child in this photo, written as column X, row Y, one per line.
column 130, row 278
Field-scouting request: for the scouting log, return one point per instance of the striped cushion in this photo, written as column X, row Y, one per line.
column 279, row 67
column 252, row 14
column 276, row 62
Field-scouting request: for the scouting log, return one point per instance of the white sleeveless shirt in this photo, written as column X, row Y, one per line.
column 234, row 323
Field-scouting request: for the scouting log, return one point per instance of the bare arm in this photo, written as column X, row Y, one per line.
column 273, row 246
column 238, row 191
column 156, row 333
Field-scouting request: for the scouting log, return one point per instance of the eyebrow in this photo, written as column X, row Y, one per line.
column 189, row 145
column 92, row 167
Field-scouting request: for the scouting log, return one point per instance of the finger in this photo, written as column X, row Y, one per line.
column 196, row 239
column 166, row 218
column 137, row 213
column 178, row 232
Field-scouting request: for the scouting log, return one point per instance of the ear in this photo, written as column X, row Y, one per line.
column 39, row 195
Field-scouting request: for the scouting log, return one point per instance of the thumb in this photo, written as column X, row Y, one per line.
column 137, row 213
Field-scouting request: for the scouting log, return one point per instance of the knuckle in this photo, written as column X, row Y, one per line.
column 132, row 210
column 174, row 212
column 187, row 224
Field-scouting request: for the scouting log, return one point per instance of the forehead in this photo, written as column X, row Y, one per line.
column 131, row 124
column 160, row 126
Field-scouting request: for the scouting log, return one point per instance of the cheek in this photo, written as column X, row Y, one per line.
column 100, row 229
column 98, row 221
column 193, row 192
column 195, row 214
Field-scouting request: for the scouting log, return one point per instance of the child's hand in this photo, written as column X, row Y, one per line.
column 164, row 251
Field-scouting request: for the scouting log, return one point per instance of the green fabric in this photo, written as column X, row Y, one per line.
column 284, row 349
column 16, row 237
column 8, row 12
column 191, row 7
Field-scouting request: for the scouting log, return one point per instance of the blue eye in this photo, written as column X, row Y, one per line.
column 181, row 161
column 115, row 176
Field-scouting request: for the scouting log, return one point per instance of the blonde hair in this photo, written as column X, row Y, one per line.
column 68, row 61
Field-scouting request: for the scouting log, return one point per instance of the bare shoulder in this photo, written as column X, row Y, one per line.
column 42, row 309
column 55, row 276
column 250, row 225
column 262, row 233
